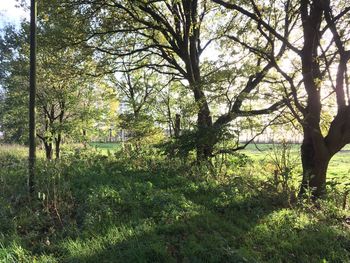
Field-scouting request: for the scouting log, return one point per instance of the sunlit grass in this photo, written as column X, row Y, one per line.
column 13, row 149
column 339, row 166
column 106, row 208
column 19, row 150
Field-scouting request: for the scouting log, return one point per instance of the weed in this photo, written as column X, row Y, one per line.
column 93, row 207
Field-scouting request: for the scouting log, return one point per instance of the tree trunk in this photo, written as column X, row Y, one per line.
column 48, row 150
column 204, row 138
column 204, row 126
column 170, row 121
column 204, row 151
column 177, row 127
column 84, row 138
column 315, row 159
column 58, row 146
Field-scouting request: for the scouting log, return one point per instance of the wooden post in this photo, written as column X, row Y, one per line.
column 32, row 94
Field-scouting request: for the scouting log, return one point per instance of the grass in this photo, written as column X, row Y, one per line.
column 105, row 146
column 339, row 168
column 106, row 208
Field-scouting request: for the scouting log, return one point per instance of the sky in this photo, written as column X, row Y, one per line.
column 9, row 13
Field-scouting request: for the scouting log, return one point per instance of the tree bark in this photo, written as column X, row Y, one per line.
column 32, row 95
column 58, row 140
column 84, row 138
column 204, row 126
column 48, row 150
column 315, row 160
column 177, row 127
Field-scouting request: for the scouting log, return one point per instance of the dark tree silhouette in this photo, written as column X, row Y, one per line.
column 317, row 53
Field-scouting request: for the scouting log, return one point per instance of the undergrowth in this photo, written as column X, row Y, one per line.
column 125, row 207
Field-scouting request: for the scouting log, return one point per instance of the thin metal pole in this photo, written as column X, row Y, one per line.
column 32, row 94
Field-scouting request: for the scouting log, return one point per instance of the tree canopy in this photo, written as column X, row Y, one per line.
column 212, row 69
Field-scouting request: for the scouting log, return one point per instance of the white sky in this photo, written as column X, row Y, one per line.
column 10, row 14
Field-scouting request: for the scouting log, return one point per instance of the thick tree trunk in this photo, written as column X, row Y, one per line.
column 315, row 165
column 204, row 151
column 204, row 126
column 205, row 143
column 317, row 151
column 315, row 158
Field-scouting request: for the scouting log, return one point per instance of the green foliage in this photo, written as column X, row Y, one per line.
column 112, row 208
column 182, row 146
column 13, row 83
column 291, row 234
column 140, row 130
column 189, row 140
column 69, row 99
column 286, row 167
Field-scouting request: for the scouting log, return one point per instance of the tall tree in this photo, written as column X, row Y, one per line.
column 14, row 101
column 175, row 34
column 319, row 45
column 68, row 98
column 137, row 91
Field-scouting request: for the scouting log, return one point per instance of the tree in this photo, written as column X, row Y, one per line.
column 63, row 79
column 137, row 91
column 14, row 100
column 322, row 27
column 171, row 38
column 69, row 98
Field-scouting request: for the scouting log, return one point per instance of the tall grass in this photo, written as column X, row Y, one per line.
column 114, row 208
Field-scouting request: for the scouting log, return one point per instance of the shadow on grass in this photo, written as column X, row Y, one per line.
column 165, row 217
column 278, row 236
column 123, row 214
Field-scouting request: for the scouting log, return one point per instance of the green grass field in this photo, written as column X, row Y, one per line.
column 94, row 207
column 339, row 166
